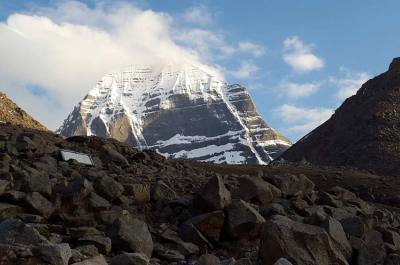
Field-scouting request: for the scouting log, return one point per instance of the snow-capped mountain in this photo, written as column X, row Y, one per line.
column 179, row 110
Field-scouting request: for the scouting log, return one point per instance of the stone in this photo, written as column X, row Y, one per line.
column 353, row 225
column 392, row 259
column 38, row 182
column 343, row 194
column 109, row 188
column 140, row 192
column 9, row 211
column 189, row 233
column 282, row 261
column 102, row 243
column 97, row 202
column 392, row 238
column 162, row 192
column 4, row 184
column 115, row 156
column 130, row 259
column 186, row 248
column 208, row 259
column 88, row 250
column 213, row 196
column 209, row 224
column 335, row 230
column 293, row 185
column 255, row 189
column 131, row 235
column 14, row 231
column 302, row 244
column 40, row 204
column 269, row 210
column 98, row 260
column 55, row 254
column 243, row 221
column 325, row 198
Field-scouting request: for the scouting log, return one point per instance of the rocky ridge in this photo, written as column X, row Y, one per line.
column 12, row 114
column 135, row 207
column 181, row 111
column 363, row 133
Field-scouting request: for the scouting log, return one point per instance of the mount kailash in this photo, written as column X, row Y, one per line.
column 181, row 111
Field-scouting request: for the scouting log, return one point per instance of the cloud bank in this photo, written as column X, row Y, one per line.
column 63, row 50
column 302, row 120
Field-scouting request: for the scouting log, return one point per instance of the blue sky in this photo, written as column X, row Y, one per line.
column 299, row 59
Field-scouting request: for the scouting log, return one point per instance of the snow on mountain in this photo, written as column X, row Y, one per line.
column 179, row 110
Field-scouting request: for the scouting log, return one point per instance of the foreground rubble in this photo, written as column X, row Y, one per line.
column 138, row 208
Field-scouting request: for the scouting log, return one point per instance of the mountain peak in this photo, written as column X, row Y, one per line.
column 364, row 132
column 395, row 65
column 13, row 114
column 180, row 110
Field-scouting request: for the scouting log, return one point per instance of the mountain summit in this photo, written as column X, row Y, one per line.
column 179, row 110
column 11, row 113
column 364, row 132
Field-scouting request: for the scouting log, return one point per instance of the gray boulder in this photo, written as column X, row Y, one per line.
column 213, row 196
column 130, row 259
column 243, row 221
column 303, row 244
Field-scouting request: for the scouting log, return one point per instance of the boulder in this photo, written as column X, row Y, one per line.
column 109, row 188
column 161, row 192
column 209, row 224
column 97, row 202
column 189, row 233
column 130, row 259
column 9, row 211
column 208, row 259
column 14, row 231
column 139, row 192
column 392, row 259
column 102, row 243
column 282, row 261
column 243, row 221
column 40, row 204
column 301, row 243
column 213, row 196
column 335, row 230
column 293, row 185
column 97, row 260
column 131, row 235
column 55, row 254
column 255, row 189
column 353, row 226
column 392, row 238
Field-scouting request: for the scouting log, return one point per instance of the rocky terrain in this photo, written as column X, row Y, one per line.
column 136, row 207
column 12, row 114
column 363, row 133
column 181, row 111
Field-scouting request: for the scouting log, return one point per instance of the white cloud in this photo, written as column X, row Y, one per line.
column 67, row 48
column 299, row 55
column 302, row 120
column 251, row 48
column 245, row 70
column 349, row 85
column 199, row 15
column 208, row 45
column 295, row 90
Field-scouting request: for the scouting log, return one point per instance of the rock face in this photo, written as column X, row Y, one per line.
column 363, row 133
column 179, row 110
column 11, row 113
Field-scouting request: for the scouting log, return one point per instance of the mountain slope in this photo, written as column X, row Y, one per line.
column 11, row 113
column 364, row 132
column 179, row 110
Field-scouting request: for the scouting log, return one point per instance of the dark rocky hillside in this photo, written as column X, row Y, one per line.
column 138, row 208
column 363, row 133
